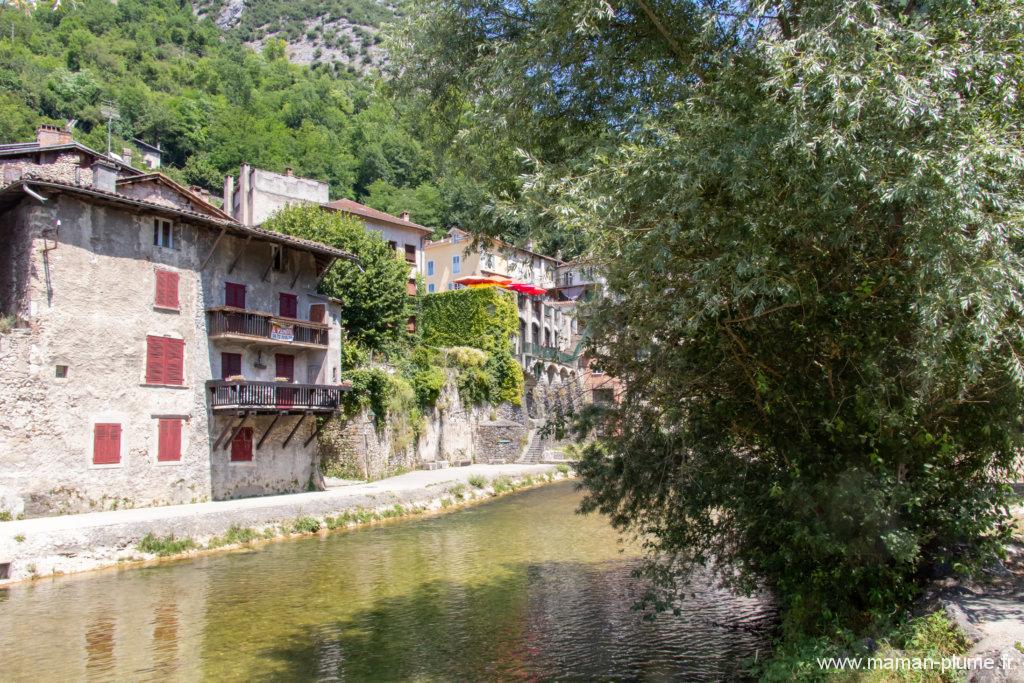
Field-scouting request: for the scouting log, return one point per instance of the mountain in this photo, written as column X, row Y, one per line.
column 343, row 33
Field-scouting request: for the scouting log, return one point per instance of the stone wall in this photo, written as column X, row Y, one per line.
column 452, row 433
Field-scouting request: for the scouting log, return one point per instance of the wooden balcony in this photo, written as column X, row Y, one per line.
column 275, row 397
column 226, row 322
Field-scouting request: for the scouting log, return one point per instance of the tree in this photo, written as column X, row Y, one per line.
column 373, row 292
column 810, row 219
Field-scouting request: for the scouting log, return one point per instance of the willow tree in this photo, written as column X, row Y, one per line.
column 816, row 244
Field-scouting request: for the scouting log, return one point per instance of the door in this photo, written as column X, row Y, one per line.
column 285, row 367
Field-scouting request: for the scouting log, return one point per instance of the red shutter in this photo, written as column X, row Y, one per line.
column 285, row 366
column 106, row 444
column 175, row 353
column 169, row 449
column 318, row 313
column 241, row 446
column 165, row 360
column 166, row 289
column 230, row 365
column 288, row 306
column 234, row 295
column 155, row 362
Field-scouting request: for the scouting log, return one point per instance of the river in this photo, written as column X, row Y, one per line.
column 517, row 588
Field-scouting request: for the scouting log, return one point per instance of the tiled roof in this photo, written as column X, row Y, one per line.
column 349, row 206
column 164, row 180
column 19, row 186
column 19, row 148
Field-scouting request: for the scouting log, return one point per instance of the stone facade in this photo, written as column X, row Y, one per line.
column 78, row 270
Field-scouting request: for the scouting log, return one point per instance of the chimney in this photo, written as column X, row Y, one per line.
column 229, row 195
column 404, row 215
column 104, row 176
column 244, row 214
column 48, row 136
column 126, row 154
column 202, row 192
column 288, row 171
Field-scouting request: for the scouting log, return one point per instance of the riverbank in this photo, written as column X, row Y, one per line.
column 48, row 546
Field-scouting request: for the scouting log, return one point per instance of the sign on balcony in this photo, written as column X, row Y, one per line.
column 282, row 332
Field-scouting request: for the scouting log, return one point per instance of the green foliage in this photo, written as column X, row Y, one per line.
column 375, row 304
column 482, row 318
column 235, row 535
column 810, row 216
column 458, row 491
column 931, row 637
column 168, row 545
column 211, row 102
column 502, row 484
column 427, row 384
column 306, row 525
column 477, row 481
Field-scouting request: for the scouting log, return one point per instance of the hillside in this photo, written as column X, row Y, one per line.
column 337, row 32
column 211, row 102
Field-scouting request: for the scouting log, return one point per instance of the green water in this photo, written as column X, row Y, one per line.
column 517, row 588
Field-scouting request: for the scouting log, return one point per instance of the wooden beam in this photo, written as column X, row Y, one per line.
column 223, row 433
column 316, row 432
column 238, row 255
column 269, row 429
column 294, row 429
column 323, row 274
column 263, row 278
column 213, row 248
column 296, row 278
column 241, row 424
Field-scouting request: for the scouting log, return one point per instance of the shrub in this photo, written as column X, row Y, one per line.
column 458, row 491
column 502, row 484
column 169, row 545
column 477, row 481
column 306, row 525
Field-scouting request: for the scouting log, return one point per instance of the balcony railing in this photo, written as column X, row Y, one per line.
column 549, row 353
column 225, row 321
column 274, row 396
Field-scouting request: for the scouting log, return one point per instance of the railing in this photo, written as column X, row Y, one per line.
column 274, row 395
column 229, row 321
column 549, row 353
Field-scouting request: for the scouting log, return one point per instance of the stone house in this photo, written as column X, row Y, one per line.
column 162, row 352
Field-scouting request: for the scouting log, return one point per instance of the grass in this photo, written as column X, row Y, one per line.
column 562, row 468
column 931, row 637
column 20, row 538
column 502, row 484
column 235, row 535
column 7, row 323
column 458, row 491
column 5, row 516
column 169, row 545
column 478, row 481
column 306, row 525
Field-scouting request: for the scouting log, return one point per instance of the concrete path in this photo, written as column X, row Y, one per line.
column 71, row 543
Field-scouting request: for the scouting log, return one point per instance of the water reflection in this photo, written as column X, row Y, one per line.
column 520, row 588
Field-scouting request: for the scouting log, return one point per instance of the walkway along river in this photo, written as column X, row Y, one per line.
column 521, row 587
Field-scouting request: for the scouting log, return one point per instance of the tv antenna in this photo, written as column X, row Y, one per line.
column 109, row 112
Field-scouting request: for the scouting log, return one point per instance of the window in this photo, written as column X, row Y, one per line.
column 456, row 264
column 318, row 313
column 106, row 444
column 456, row 237
column 430, row 289
column 61, row 371
column 230, row 365
column 163, row 233
column 241, row 445
column 430, row 267
column 285, row 366
column 165, row 361
column 488, row 260
column 410, row 253
column 410, row 324
column 604, row 396
column 277, row 257
column 288, row 305
column 166, row 289
column 234, row 295
column 393, row 244
column 169, row 441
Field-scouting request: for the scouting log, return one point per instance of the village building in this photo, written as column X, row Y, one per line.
column 161, row 352
column 548, row 343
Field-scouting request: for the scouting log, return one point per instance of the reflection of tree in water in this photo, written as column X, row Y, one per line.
column 535, row 621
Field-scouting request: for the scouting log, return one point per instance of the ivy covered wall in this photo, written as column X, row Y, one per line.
column 484, row 318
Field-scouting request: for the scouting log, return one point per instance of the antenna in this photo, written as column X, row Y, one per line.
column 109, row 112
